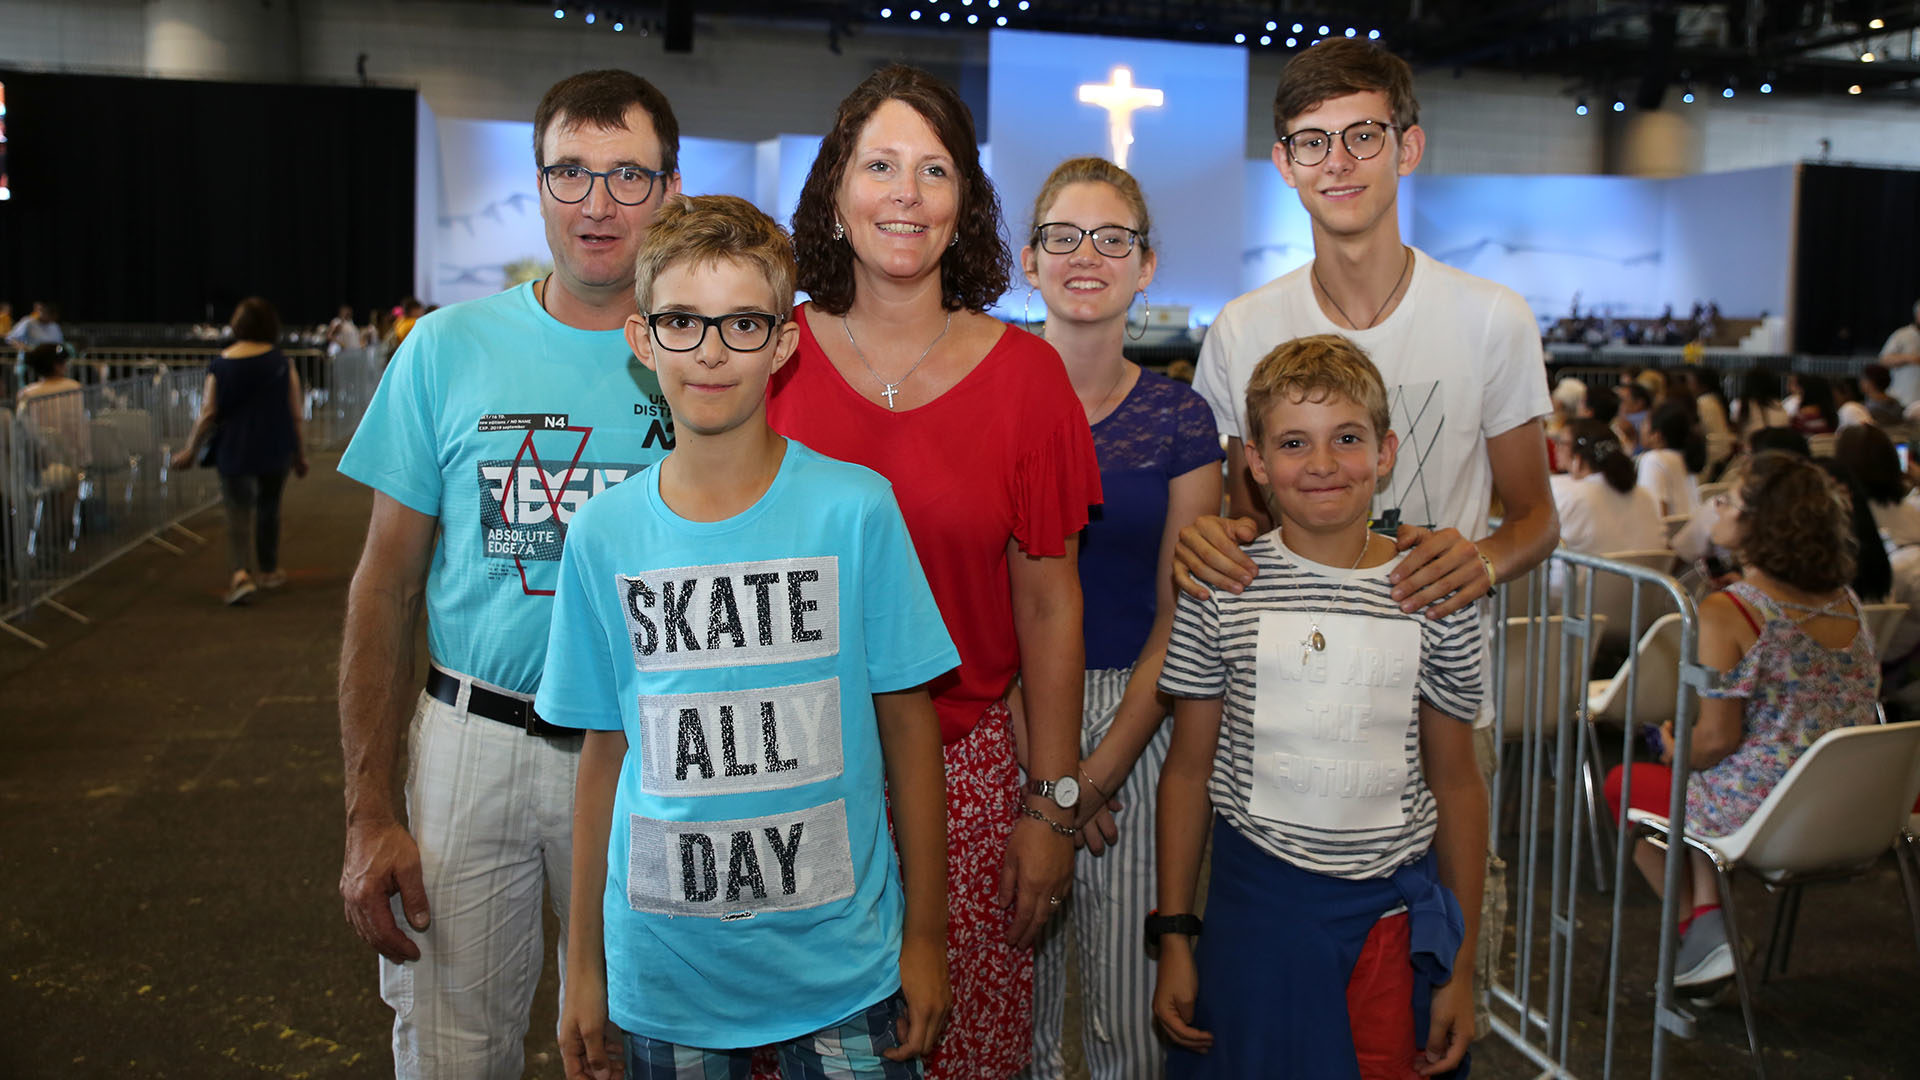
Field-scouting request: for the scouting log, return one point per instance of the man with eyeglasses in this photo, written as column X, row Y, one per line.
column 1464, row 370
column 494, row 424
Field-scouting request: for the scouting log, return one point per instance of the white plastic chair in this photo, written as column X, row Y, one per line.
column 1841, row 805
column 1613, row 597
column 1657, row 688
column 1515, row 723
column 1882, row 620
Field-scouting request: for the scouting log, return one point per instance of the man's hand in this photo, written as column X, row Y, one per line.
column 383, row 860
column 1174, row 992
column 1449, row 1027
column 182, row 459
column 923, row 982
column 1038, row 869
column 1209, row 555
column 1441, row 573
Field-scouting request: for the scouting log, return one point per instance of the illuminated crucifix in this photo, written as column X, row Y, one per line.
column 1120, row 97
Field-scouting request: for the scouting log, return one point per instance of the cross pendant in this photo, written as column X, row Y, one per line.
column 887, row 390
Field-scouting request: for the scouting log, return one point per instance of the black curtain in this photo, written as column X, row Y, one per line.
column 1857, row 271
column 158, row 200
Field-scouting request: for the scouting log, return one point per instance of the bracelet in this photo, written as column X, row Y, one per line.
column 1088, row 777
column 1063, row 830
column 1493, row 578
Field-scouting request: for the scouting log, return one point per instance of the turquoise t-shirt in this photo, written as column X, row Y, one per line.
column 752, row 890
column 502, row 421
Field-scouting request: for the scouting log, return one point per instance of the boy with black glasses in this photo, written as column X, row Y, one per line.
column 746, row 633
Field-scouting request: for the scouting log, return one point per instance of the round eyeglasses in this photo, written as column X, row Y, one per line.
column 1060, row 238
column 1363, row 139
column 630, row 185
column 741, row 331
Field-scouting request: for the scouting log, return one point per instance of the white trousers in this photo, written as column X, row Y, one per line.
column 491, row 809
column 1106, row 914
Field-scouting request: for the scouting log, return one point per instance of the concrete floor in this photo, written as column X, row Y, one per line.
column 170, row 808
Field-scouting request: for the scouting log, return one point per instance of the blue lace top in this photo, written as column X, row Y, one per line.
column 1159, row 431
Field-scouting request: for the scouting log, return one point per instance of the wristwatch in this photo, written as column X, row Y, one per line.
column 1065, row 792
column 1158, row 924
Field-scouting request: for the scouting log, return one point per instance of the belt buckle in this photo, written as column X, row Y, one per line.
column 529, row 720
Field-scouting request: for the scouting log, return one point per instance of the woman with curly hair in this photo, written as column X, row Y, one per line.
column 977, row 426
column 1796, row 662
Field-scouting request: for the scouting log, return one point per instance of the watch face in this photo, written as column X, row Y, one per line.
column 1066, row 792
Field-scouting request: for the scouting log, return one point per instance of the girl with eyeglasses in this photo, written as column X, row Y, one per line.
column 1088, row 255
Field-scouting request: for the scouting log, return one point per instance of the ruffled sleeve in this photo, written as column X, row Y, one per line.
column 1055, row 479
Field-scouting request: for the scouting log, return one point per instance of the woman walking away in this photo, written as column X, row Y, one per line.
column 251, row 409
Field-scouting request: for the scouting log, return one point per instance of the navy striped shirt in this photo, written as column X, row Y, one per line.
column 1322, row 749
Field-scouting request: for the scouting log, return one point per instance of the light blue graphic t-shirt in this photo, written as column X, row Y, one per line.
column 752, row 890
column 502, row 421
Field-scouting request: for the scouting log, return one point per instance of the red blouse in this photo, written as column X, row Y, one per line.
column 1006, row 453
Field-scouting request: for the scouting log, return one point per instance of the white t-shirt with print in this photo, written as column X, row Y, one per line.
column 1462, row 362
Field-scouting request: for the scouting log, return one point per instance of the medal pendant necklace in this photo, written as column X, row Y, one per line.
column 889, row 389
column 1315, row 641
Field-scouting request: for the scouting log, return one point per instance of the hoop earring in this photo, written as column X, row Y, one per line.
column 839, row 231
column 1026, row 315
column 954, row 240
column 1146, row 312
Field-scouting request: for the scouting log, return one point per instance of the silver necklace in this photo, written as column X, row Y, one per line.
column 888, row 389
column 1109, row 395
column 1314, row 269
column 1315, row 641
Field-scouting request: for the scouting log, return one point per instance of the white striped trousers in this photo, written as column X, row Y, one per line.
column 1112, row 895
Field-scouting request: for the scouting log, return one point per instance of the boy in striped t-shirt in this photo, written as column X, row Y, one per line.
column 1334, row 736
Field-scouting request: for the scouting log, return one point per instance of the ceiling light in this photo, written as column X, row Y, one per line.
column 1766, row 88
column 944, row 16
column 1271, row 25
column 914, row 14
column 1854, row 89
column 1580, row 106
column 1866, row 57
column 1239, row 39
column 618, row 26
column 1351, row 31
column 1001, row 21
column 971, row 19
column 1324, row 31
column 1687, row 97
column 1727, row 93
column 1373, row 35
column 1619, row 106
column 1291, row 42
column 1265, row 40
column 1877, row 24
column 559, row 13
column 886, row 13
column 590, row 18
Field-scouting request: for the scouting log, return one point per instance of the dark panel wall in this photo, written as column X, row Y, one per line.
column 154, row 200
column 1857, row 270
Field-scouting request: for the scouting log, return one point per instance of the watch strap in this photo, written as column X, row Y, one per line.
column 1158, row 924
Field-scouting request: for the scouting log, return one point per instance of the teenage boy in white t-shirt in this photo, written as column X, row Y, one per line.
column 746, row 633
column 1460, row 356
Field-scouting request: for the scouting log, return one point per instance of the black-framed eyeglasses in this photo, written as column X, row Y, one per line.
column 630, row 185
column 1061, row 238
column 1363, row 139
column 741, row 331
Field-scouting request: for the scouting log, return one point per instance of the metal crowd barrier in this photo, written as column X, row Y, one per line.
column 85, row 476
column 1548, row 816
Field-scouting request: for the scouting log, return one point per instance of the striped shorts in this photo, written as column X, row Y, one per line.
column 848, row 1050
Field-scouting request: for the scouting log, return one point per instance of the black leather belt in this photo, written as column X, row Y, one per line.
column 491, row 704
